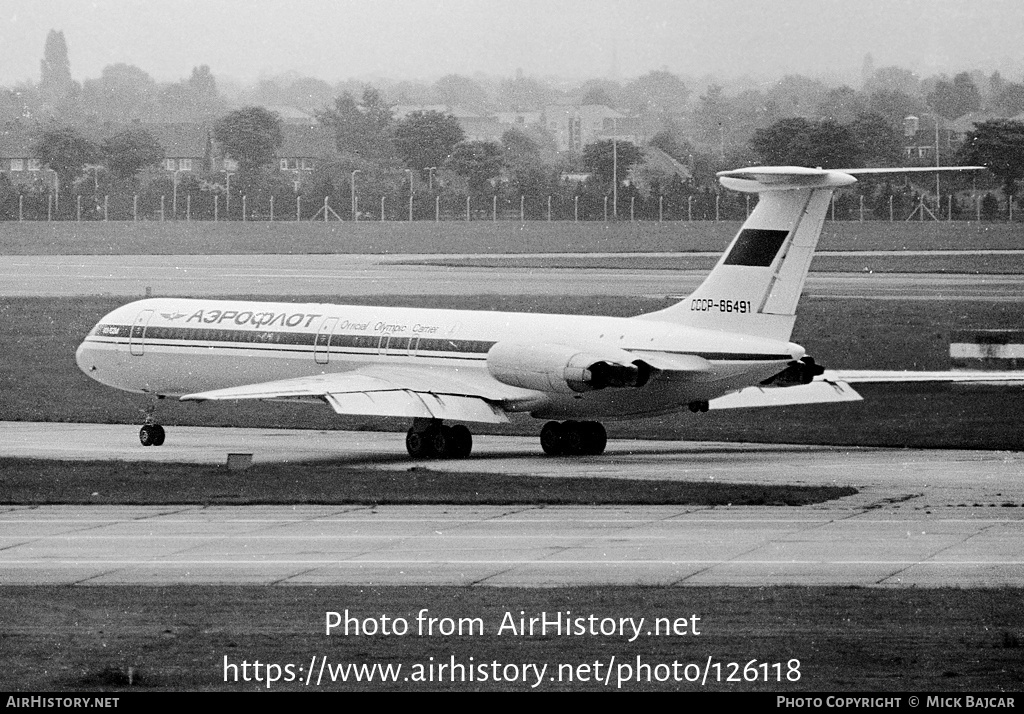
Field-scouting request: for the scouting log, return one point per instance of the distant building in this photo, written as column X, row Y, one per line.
column 187, row 147
column 522, row 120
column 293, row 115
column 17, row 162
column 475, row 125
column 304, row 149
column 573, row 127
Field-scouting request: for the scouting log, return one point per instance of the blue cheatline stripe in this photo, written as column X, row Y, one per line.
column 339, row 343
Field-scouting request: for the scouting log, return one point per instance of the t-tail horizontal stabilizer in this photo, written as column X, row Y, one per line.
column 756, row 285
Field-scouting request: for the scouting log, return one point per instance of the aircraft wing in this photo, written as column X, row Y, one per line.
column 862, row 376
column 400, row 392
column 834, row 386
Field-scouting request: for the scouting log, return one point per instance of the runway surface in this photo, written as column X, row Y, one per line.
column 922, row 518
column 132, row 276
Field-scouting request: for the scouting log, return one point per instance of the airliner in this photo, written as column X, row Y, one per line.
column 727, row 345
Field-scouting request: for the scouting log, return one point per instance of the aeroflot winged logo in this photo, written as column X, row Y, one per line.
column 250, row 317
column 172, row 315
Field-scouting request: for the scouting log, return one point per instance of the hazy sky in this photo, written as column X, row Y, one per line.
column 424, row 39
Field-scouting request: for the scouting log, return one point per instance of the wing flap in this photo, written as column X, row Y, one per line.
column 405, row 403
column 820, row 392
column 400, row 392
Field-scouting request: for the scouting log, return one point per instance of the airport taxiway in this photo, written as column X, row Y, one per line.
column 921, row 518
column 132, row 276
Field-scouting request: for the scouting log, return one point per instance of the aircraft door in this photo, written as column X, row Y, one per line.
column 396, row 346
column 322, row 345
column 137, row 337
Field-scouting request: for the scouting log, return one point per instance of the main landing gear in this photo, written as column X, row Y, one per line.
column 434, row 440
column 573, row 438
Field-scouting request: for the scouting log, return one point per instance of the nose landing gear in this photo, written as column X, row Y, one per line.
column 151, row 435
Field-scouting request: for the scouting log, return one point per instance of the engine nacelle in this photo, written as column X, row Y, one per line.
column 562, row 368
column 799, row 372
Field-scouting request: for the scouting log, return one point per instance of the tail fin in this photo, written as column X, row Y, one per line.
column 755, row 287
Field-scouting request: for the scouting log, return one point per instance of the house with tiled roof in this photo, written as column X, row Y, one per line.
column 17, row 162
column 304, row 149
column 187, row 147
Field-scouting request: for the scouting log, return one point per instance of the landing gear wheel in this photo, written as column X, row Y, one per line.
column 595, row 438
column 551, row 438
column 440, row 438
column 152, row 435
column 462, row 442
column 418, row 444
column 573, row 438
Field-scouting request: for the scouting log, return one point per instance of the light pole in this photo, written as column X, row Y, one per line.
column 354, row 216
column 409, row 171
column 227, row 196
column 615, row 179
column 430, row 177
column 174, row 199
column 56, row 191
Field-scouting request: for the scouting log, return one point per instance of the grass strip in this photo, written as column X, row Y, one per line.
column 44, row 481
column 374, row 237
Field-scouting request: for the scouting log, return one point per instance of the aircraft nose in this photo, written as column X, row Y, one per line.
column 83, row 356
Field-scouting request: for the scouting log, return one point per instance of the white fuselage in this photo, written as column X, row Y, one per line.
column 173, row 347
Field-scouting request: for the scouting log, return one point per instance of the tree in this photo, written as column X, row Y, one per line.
column 998, row 145
column 657, row 92
column 55, row 69
column 895, row 106
column 600, row 91
column 878, row 144
column 479, row 162
column 894, row 79
column 711, row 115
column 597, row 95
column 362, row 130
column 774, row 145
column 193, row 100
column 800, row 142
column 130, row 151
column 66, row 152
column 956, row 98
column 1011, row 99
column 841, row 104
column 251, row 136
column 523, row 93
column 667, row 141
column 458, row 91
column 424, row 139
column 122, row 92
column 604, row 158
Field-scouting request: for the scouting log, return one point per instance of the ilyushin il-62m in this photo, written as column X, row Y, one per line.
column 725, row 346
